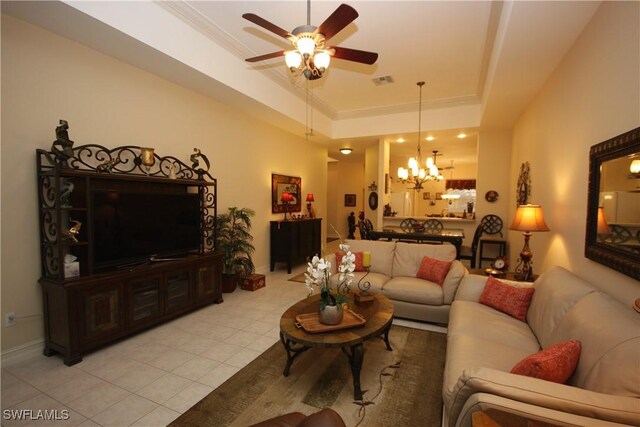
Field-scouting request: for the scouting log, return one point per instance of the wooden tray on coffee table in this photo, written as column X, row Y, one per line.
column 310, row 322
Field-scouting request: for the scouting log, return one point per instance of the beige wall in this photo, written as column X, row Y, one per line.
column 46, row 78
column 592, row 96
column 347, row 177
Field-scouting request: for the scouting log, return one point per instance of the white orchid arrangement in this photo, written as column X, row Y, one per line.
column 319, row 274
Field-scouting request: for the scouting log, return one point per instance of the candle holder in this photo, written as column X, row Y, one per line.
column 147, row 158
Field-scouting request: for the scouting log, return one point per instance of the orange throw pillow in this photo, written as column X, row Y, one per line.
column 555, row 363
column 433, row 270
column 506, row 298
column 358, row 262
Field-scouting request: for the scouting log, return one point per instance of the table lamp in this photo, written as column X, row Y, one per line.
column 286, row 198
column 528, row 219
column 309, row 200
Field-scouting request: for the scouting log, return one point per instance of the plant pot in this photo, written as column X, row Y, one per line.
column 229, row 282
column 330, row 314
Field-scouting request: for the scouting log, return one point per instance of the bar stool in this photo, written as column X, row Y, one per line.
column 491, row 225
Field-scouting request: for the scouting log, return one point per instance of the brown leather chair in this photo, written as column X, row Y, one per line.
column 324, row 418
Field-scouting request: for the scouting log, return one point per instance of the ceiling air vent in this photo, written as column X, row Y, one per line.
column 384, row 80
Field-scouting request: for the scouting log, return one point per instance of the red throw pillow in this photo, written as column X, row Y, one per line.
column 358, row 262
column 555, row 363
column 433, row 270
column 506, row 298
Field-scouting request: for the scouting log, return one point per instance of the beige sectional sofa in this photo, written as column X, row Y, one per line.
column 484, row 344
column 393, row 273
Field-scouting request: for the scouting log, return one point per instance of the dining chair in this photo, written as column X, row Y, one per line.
column 433, row 225
column 469, row 252
column 492, row 226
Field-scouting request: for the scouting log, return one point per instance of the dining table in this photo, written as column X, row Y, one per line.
column 444, row 235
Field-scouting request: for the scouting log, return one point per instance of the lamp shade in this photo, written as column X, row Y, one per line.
column 310, row 197
column 529, row 218
column 321, row 60
column 293, row 59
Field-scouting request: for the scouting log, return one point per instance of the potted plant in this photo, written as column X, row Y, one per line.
column 234, row 241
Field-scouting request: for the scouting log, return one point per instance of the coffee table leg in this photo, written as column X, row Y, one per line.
column 386, row 336
column 355, row 360
column 292, row 353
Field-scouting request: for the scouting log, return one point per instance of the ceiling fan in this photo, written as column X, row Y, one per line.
column 309, row 55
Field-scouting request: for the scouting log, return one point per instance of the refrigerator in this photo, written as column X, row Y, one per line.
column 401, row 203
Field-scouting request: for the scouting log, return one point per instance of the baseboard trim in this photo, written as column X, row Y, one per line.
column 22, row 353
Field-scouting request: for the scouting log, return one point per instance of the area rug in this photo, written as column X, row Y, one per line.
column 299, row 278
column 402, row 388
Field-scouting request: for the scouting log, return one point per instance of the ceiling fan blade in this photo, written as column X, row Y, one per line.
column 354, row 55
column 340, row 18
column 265, row 56
column 266, row 25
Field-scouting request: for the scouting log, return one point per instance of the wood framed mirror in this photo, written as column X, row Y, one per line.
column 613, row 205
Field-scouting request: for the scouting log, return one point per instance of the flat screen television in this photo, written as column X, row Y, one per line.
column 131, row 227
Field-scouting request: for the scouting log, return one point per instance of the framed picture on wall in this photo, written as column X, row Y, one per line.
column 426, row 195
column 349, row 199
column 285, row 184
column 438, row 196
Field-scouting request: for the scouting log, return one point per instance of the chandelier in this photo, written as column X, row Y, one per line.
column 420, row 175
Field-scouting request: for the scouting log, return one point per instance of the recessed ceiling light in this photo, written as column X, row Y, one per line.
column 345, row 150
column 430, row 138
column 462, row 135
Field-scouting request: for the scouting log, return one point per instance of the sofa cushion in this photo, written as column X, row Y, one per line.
column 555, row 363
column 414, row 290
column 455, row 275
column 433, row 270
column 381, row 254
column 610, row 337
column 376, row 281
column 557, row 290
column 492, row 326
column 408, row 256
column 506, row 298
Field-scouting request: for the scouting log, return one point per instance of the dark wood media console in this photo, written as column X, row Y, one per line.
column 88, row 312
column 93, row 303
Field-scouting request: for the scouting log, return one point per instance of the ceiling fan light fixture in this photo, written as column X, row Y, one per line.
column 293, row 59
column 306, row 45
column 322, row 60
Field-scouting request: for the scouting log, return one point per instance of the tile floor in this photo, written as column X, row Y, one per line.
column 152, row 378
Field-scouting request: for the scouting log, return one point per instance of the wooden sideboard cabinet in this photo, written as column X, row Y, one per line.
column 85, row 313
column 294, row 241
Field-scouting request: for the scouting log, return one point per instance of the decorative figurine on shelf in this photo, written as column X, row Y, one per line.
column 172, row 170
column 108, row 165
column 66, row 188
column 195, row 162
column 351, row 220
column 72, row 233
column 62, row 146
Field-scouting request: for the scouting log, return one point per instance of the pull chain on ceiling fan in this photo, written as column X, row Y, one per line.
column 309, row 55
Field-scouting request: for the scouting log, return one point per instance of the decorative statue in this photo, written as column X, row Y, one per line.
column 351, row 219
column 65, row 193
column 108, row 165
column 61, row 147
column 73, row 232
column 195, row 162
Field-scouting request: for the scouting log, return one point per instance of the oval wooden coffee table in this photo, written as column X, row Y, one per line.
column 377, row 313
